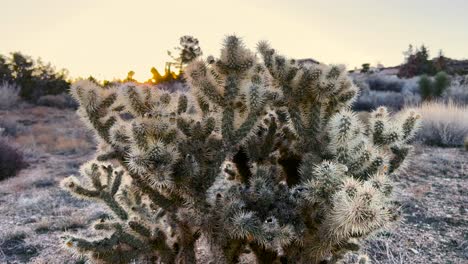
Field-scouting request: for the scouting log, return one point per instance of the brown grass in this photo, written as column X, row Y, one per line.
column 54, row 140
column 444, row 124
column 41, row 111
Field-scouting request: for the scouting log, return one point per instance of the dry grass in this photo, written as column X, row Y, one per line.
column 9, row 95
column 385, row 251
column 54, row 140
column 41, row 111
column 444, row 124
column 457, row 93
column 10, row 127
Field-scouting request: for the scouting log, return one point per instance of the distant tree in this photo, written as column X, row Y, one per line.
column 107, row 83
column 440, row 62
column 425, row 65
column 189, row 50
column 35, row 77
column 130, row 76
column 423, row 53
column 5, row 72
column 409, row 52
column 365, row 68
column 156, row 76
column 93, row 79
column 416, row 63
column 21, row 66
column 50, row 80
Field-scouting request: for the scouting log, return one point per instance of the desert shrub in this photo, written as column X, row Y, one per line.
column 9, row 95
column 370, row 100
column 425, row 87
column 385, row 83
column 384, row 90
column 445, row 124
column 11, row 159
column 10, row 127
column 60, row 101
column 33, row 76
column 411, row 85
column 458, row 93
column 441, row 83
column 365, row 68
column 463, row 79
column 55, row 141
column 258, row 155
column 432, row 89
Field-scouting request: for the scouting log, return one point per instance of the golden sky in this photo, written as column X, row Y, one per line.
column 107, row 38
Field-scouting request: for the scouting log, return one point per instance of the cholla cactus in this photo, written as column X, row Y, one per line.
column 260, row 156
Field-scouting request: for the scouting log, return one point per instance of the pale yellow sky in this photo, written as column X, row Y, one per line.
column 107, row 38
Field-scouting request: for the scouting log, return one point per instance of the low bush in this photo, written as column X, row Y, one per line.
column 370, row 100
column 11, row 159
column 10, row 127
column 384, row 90
column 444, row 124
column 60, row 101
column 385, row 83
column 425, row 87
column 55, row 141
column 457, row 93
column 9, row 95
column 433, row 88
column 441, row 83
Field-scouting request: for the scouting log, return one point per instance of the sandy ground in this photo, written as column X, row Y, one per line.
column 35, row 213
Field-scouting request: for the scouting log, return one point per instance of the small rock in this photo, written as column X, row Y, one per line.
column 414, row 250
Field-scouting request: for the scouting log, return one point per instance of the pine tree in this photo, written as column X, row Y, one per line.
column 417, row 63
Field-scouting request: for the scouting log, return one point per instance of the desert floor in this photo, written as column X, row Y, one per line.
column 35, row 213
